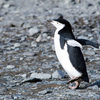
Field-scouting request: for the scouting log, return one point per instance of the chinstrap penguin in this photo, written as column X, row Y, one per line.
column 68, row 51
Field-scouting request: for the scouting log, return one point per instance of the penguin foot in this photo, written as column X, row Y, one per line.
column 72, row 80
column 76, row 86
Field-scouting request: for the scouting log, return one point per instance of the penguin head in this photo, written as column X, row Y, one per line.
column 61, row 23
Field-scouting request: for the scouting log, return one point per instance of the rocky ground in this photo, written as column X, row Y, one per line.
column 29, row 69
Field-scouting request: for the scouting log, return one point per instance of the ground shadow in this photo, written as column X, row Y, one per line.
column 91, row 84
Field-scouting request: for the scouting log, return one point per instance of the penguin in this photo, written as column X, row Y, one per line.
column 68, row 51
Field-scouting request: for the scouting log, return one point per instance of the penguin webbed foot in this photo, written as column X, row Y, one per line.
column 76, row 85
column 72, row 80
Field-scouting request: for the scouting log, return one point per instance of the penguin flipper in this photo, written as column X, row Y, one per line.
column 87, row 42
column 74, row 43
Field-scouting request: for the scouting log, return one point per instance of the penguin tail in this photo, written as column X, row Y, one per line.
column 85, row 77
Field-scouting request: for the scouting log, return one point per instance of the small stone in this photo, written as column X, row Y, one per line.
column 90, row 53
column 45, row 92
column 33, row 31
column 98, row 40
column 16, row 45
column 40, row 76
column 6, row 5
column 29, row 53
column 39, row 38
column 24, row 75
column 1, row 18
column 25, row 25
column 10, row 66
column 21, row 58
column 42, row 37
column 82, row 37
column 23, row 38
column 95, row 87
column 53, row 47
column 33, row 44
column 58, row 74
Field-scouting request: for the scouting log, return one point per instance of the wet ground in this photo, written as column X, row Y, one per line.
column 29, row 69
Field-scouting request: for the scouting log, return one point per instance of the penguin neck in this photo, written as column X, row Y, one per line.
column 67, row 33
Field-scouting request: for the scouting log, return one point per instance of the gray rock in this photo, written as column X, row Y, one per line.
column 53, row 47
column 42, row 37
column 95, row 87
column 44, row 92
column 24, row 75
column 6, row 5
column 98, row 40
column 29, row 53
column 16, row 45
column 82, row 37
column 21, row 58
column 8, row 97
column 58, row 74
column 26, row 25
column 10, row 66
column 40, row 75
column 33, row 44
column 90, row 53
column 33, row 31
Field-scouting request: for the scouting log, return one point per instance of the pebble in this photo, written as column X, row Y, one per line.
column 82, row 37
column 33, row 44
column 10, row 66
column 42, row 38
column 6, row 5
column 58, row 74
column 95, row 87
column 45, row 92
column 29, row 53
column 16, row 45
column 40, row 75
column 33, row 31
column 26, row 25
column 90, row 53
column 24, row 75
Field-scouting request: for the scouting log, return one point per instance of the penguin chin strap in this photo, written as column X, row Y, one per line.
column 76, row 81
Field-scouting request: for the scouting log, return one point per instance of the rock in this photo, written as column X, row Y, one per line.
column 45, row 92
column 42, row 38
column 90, row 53
column 58, row 74
column 23, row 38
column 40, row 75
column 21, row 58
column 82, row 37
column 29, row 53
column 33, row 44
column 95, row 87
column 98, row 40
column 24, row 75
column 10, row 66
column 16, row 45
column 30, row 79
column 26, row 25
column 53, row 47
column 33, row 31
column 39, row 38
column 6, row 5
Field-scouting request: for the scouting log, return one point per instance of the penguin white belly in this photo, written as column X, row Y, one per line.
column 63, row 58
